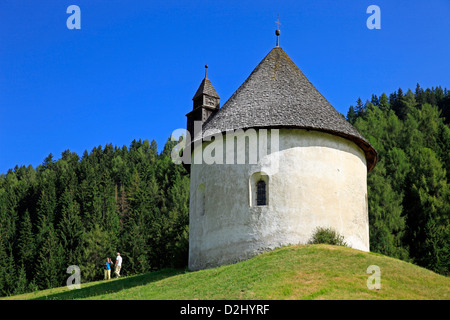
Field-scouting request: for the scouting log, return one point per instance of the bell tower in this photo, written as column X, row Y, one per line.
column 206, row 102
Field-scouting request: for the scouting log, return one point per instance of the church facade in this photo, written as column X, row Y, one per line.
column 296, row 164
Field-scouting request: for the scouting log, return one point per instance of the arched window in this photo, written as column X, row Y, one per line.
column 259, row 189
column 261, row 193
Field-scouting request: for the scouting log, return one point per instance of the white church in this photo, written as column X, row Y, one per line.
column 309, row 168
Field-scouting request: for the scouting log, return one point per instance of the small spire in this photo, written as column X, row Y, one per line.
column 206, row 70
column 278, row 32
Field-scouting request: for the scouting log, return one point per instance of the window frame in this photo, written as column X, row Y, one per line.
column 261, row 193
column 255, row 199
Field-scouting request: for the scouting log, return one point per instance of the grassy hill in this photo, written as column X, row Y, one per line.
column 293, row 272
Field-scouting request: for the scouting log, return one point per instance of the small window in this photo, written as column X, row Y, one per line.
column 261, row 193
column 259, row 188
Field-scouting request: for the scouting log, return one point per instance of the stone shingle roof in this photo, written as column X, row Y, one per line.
column 278, row 95
column 206, row 88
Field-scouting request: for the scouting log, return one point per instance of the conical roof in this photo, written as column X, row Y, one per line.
column 278, row 95
column 207, row 88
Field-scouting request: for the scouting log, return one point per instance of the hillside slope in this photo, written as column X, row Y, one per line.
column 293, row 272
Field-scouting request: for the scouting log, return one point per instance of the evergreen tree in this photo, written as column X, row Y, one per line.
column 387, row 224
column 21, row 285
column 96, row 248
column 46, row 204
column 384, row 103
column 407, row 104
column 8, row 275
column 427, row 201
column 360, row 108
column 408, row 189
column 419, row 95
column 4, row 290
column 122, row 204
column 351, row 115
column 50, row 262
column 375, row 101
column 70, row 229
column 26, row 245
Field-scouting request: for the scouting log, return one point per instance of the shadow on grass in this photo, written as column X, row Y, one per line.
column 112, row 286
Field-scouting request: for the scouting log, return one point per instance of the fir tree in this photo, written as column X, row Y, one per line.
column 351, row 115
column 26, row 245
column 50, row 261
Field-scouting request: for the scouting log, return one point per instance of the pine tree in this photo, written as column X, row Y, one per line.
column 26, row 245
column 46, row 205
column 9, row 276
column 50, row 262
column 70, row 229
column 122, row 204
column 427, row 201
column 387, row 224
column 375, row 101
column 96, row 248
column 419, row 95
column 360, row 108
column 21, row 285
column 384, row 103
column 3, row 274
column 351, row 115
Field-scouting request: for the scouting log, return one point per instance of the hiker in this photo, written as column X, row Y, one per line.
column 118, row 265
column 107, row 268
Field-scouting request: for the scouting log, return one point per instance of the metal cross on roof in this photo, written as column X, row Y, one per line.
column 278, row 22
column 278, row 32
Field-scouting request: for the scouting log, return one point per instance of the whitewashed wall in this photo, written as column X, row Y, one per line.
column 315, row 179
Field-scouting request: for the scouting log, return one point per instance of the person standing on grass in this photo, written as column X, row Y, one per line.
column 118, row 265
column 108, row 269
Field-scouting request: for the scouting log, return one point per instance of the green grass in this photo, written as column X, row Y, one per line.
column 293, row 272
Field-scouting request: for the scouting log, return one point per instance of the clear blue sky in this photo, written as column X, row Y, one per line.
column 132, row 69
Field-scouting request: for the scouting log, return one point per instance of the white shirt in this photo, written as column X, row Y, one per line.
column 119, row 260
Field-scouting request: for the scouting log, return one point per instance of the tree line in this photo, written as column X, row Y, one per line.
column 78, row 211
column 408, row 190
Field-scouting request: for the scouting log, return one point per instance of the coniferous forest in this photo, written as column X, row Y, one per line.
column 80, row 210
column 408, row 190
